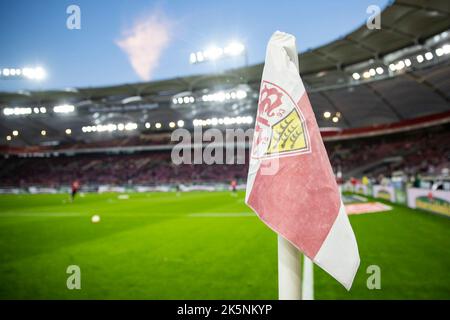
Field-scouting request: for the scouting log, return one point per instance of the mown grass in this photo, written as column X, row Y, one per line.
column 197, row 245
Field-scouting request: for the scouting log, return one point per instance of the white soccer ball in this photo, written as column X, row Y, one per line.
column 95, row 218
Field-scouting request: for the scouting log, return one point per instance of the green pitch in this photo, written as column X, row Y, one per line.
column 197, row 246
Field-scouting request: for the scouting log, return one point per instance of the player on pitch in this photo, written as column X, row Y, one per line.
column 75, row 188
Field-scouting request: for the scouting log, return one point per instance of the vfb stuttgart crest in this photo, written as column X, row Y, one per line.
column 280, row 126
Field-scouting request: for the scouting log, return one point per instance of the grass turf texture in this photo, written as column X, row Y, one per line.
column 164, row 246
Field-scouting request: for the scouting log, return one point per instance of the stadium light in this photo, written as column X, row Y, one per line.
column 8, row 138
column 172, row 124
column 15, row 133
column 219, row 96
column 372, row 72
column 335, row 119
column 222, row 96
column 429, row 55
column 68, row 131
column 446, row 48
column 234, row 49
column 110, row 127
column 158, row 125
column 43, row 132
column 64, row 108
column 419, row 58
column 327, row 114
column 17, row 111
column 37, row 73
column 222, row 121
column 185, row 100
column 131, row 126
column 214, row 53
column 23, row 111
column 180, row 123
column 147, row 125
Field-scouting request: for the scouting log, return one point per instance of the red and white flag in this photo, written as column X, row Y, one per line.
column 291, row 185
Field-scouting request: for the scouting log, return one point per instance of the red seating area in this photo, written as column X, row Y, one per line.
column 422, row 151
column 149, row 168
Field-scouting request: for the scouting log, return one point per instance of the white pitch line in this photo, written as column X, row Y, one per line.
column 360, row 198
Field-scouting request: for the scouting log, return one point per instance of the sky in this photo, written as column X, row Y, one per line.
column 141, row 40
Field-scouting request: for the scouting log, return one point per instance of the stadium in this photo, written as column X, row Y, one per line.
column 143, row 227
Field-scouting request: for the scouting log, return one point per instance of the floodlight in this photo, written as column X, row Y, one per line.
column 64, row 108
column 234, row 49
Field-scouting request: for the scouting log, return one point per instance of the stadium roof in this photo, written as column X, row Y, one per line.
column 406, row 28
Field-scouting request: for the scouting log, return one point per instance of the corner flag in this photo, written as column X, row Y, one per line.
column 291, row 185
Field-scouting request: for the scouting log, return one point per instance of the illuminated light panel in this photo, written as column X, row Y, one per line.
column 64, row 108
column 213, row 53
column 222, row 121
column 110, row 127
column 17, row 111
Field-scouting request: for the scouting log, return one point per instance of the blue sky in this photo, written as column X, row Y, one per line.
column 34, row 33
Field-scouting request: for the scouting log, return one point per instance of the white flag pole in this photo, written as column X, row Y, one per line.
column 289, row 267
column 308, row 279
column 289, row 284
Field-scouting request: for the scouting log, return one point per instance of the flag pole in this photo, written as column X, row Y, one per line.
column 289, row 273
column 289, row 268
column 308, row 279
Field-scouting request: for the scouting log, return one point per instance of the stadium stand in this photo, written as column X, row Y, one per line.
column 423, row 151
column 381, row 100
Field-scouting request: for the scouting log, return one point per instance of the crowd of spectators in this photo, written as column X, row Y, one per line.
column 423, row 152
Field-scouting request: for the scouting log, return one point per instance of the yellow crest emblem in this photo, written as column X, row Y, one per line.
column 287, row 135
